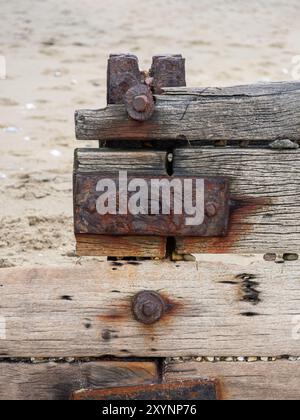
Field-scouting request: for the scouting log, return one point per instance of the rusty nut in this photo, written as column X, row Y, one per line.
column 148, row 307
column 211, row 209
column 139, row 103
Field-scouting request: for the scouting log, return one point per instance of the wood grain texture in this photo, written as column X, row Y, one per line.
column 111, row 162
column 57, row 381
column 213, row 308
column 121, row 246
column 263, row 112
column 177, row 391
column 278, row 380
column 265, row 190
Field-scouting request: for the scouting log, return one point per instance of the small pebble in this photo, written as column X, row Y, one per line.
column 210, row 359
column 290, row 257
column 284, row 144
column 170, row 157
column 199, row 359
column 55, row 153
column 252, row 359
column 241, row 359
column 176, row 257
column 229, row 359
column 264, row 359
column 30, row 107
column 188, row 257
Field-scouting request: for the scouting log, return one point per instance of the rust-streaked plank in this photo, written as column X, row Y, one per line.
column 265, row 191
column 262, row 112
column 212, row 308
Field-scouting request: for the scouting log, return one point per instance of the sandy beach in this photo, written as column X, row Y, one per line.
column 56, row 54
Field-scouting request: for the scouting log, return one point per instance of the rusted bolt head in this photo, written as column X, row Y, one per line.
column 148, row 307
column 140, row 103
column 211, row 209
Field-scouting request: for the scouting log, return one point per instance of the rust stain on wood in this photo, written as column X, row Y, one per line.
column 241, row 209
column 122, row 314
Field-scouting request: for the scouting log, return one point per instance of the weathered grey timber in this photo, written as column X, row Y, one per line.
column 262, row 112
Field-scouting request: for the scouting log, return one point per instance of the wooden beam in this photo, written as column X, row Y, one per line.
column 264, row 186
column 278, row 380
column 57, row 381
column 263, row 112
column 113, row 161
column 214, row 308
column 199, row 390
column 121, row 246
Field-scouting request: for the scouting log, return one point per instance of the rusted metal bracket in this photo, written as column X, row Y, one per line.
column 150, row 217
column 197, row 390
column 126, row 84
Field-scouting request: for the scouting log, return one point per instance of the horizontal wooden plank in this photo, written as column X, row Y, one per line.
column 265, row 191
column 121, row 246
column 57, row 381
column 263, row 112
column 212, row 308
column 199, row 390
column 111, row 162
column 278, row 380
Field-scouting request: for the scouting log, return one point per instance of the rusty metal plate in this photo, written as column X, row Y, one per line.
column 167, row 213
column 178, row 391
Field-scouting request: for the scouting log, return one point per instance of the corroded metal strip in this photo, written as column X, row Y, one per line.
column 89, row 221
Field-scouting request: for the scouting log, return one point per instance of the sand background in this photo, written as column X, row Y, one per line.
column 56, row 54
